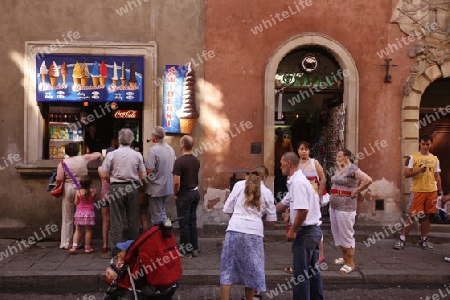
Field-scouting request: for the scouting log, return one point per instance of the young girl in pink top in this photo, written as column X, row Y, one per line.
column 84, row 217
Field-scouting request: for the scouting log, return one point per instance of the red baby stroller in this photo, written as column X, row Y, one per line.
column 151, row 267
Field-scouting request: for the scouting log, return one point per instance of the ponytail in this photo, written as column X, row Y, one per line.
column 253, row 191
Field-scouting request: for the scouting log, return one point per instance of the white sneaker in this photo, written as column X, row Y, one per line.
column 447, row 259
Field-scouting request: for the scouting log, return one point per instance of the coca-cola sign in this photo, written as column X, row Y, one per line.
column 126, row 114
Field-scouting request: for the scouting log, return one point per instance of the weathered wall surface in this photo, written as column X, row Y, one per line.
column 236, row 75
column 176, row 27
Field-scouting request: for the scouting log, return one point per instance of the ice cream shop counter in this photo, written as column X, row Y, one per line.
column 46, row 168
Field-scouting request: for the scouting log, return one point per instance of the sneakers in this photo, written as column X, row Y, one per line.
column 425, row 244
column 400, row 244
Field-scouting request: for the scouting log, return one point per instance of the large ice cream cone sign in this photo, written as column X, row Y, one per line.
column 188, row 113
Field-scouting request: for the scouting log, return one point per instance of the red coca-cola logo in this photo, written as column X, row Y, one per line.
column 126, row 114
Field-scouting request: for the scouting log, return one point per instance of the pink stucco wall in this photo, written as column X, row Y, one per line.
column 238, row 71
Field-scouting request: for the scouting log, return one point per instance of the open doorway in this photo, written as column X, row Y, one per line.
column 309, row 88
column 434, row 119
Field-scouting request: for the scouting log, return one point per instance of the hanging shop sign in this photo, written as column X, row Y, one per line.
column 179, row 113
column 89, row 78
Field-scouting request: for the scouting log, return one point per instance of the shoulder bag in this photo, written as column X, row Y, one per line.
column 57, row 191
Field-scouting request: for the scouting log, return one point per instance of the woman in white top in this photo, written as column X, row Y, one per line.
column 242, row 260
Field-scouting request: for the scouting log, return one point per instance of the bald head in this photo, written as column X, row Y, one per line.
column 187, row 142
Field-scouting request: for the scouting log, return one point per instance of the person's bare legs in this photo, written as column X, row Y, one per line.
column 76, row 237
column 321, row 254
column 249, row 293
column 425, row 225
column 87, row 236
column 105, row 226
column 225, row 290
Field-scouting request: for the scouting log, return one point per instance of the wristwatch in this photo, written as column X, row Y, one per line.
column 440, row 193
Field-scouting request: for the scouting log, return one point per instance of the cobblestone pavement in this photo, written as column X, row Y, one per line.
column 212, row 292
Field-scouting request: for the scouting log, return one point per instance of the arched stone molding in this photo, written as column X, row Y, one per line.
column 410, row 113
column 350, row 96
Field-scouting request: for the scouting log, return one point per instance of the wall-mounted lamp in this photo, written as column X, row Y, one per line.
column 387, row 65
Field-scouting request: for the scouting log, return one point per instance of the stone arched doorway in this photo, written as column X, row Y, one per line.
column 411, row 111
column 350, row 94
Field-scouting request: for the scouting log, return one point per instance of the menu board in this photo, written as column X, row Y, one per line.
column 89, row 78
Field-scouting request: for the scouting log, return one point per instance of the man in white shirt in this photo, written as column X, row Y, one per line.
column 305, row 229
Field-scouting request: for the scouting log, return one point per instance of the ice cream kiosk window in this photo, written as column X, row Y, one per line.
column 78, row 95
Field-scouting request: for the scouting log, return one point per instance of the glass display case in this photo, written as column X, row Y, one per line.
column 63, row 127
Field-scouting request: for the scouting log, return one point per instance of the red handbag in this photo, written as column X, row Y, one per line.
column 58, row 189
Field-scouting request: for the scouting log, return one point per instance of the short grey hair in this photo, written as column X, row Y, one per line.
column 159, row 132
column 292, row 157
column 126, row 136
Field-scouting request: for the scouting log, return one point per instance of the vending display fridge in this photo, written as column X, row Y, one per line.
column 128, row 118
column 63, row 127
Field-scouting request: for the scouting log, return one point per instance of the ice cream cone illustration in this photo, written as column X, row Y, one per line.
column 188, row 113
column 132, row 80
column 64, row 72
column 53, row 74
column 43, row 71
column 187, row 125
column 115, row 78
column 95, row 74
column 76, row 74
column 103, row 73
column 84, row 74
column 123, row 78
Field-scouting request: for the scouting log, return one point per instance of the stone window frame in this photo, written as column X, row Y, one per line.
column 33, row 120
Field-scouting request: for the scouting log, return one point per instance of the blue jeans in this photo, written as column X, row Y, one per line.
column 187, row 210
column 157, row 209
column 308, row 284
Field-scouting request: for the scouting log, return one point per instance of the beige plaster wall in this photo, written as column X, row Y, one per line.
column 177, row 28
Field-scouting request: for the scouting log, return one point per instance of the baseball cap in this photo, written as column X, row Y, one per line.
column 125, row 245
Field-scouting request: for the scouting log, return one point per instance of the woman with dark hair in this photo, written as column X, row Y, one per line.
column 78, row 167
column 347, row 182
column 242, row 260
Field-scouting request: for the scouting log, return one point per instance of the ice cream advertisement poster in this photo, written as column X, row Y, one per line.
column 89, row 78
column 179, row 109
